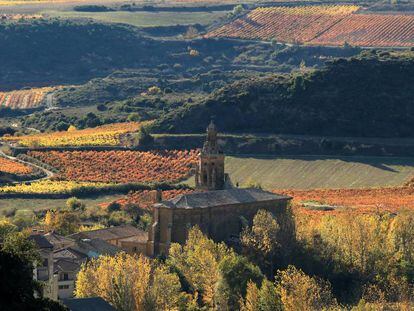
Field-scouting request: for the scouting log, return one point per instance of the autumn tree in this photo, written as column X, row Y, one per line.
column 74, row 204
column 129, row 283
column 63, row 222
column 252, row 300
column 357, row 241
column 261, row 242
column 401, row 238
column 6, row 227
column 264, row 299
column 198, row 261
column 166, row 289
column 299, row 291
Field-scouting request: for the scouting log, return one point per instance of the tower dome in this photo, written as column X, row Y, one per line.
column 210, row 169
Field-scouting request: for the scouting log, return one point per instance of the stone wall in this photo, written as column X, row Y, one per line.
column 219, row 223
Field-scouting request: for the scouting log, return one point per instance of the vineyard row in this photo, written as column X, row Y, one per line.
column 334, row 25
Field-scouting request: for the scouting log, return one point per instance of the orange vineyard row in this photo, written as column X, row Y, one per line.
column 24, row 99
column 362, row 200
column 106, row 135
column 120, row 166
column 370, row 30
column 331, row 25
column 12, row 167
column 284, row 24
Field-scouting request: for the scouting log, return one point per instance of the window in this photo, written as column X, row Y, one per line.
column 45, row 262
column 65, row 277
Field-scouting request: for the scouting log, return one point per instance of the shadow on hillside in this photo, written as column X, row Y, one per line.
column 382, row 163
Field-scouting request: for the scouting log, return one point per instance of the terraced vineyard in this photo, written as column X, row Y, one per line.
column 308, row 172
column 24, row 99
column 332, row 25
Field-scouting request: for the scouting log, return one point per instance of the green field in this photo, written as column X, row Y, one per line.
column 143, row 19
column 307, row 172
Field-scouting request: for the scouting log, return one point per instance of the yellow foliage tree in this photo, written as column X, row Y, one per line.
column 72, row 128
column 299, row 291
column 252, row 300
column 198, row 260
column 166, row 289
column 122, row 280
column 130, row 283
column 63, row 222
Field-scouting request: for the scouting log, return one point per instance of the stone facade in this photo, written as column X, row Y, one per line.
column 221, row 221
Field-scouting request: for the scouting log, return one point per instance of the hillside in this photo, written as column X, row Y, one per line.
column 350, row 97
column 76, row 51
column 310, row 172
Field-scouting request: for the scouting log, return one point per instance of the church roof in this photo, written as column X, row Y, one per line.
column 222, row 197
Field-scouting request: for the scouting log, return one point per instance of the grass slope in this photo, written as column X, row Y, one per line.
column 144, row 19
column 308, row 172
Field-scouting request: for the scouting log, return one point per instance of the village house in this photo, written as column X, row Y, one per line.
column 126, row 237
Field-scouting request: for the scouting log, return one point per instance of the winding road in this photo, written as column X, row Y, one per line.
column 49, row 174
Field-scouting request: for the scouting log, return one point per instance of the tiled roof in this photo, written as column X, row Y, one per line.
column 87, row 248
column 57, row 239
column 106, row 234
column 222, row 197
column 66, row 265
column 88, row 304
column 95, row 247
column 69, row 253
column 40, row 241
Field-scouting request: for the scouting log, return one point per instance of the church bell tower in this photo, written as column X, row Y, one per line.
column 210, row 168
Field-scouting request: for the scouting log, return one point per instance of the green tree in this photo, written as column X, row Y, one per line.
column 236, row 273
column 144, row 137
column 18, row 244
column 74, row 204
column 63, row 222
column 18, row 289
column 134, row 117
column 269, row 300
column 237, row 10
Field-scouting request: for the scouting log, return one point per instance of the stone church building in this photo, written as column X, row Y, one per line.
column 216, row 207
